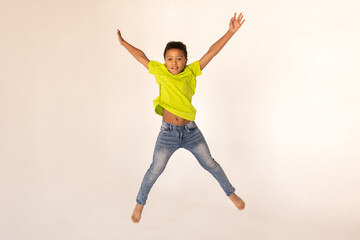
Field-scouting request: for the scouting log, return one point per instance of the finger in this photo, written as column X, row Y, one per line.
column 234, row 16
column 238, row 17
column 231, row 20
column 242, row 22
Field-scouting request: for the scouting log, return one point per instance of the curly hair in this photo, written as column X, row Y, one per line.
column 176, row 45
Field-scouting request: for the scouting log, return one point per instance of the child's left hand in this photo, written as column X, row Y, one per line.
column 235, row 23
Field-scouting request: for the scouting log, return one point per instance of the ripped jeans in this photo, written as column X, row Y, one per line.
column 172, row 137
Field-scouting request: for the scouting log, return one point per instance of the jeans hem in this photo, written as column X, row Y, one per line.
column 231, row 193
column 143, row 204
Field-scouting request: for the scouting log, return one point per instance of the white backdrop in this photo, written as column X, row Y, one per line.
column 279, row 108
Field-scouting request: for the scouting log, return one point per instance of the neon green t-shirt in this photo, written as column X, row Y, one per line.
column 175, row 91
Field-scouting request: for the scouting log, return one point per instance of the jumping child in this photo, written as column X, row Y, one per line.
column 177, row 83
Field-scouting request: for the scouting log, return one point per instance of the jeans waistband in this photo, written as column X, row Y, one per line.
column 190, row 125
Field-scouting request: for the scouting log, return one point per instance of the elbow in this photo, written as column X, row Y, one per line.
column 212, row 52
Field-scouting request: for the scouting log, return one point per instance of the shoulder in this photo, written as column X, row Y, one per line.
column 195, row 68
column 154, row 64
column 154, row 67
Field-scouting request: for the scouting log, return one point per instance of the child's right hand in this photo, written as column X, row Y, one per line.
column 137, row 53
column 119, row 36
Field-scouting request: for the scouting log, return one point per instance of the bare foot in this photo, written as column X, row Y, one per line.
column 239, row 203
column 136, row 216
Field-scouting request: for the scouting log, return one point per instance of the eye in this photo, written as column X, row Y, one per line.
column 169, row 59
column 179, row 59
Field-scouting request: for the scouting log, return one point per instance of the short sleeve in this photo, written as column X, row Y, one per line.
column 154, row 67
column 195, row 68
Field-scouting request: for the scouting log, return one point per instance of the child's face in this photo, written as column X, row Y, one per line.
column 175, row 60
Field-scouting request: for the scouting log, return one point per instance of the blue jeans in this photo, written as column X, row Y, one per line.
column 172, row 137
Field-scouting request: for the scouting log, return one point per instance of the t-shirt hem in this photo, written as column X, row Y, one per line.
column 187, row 116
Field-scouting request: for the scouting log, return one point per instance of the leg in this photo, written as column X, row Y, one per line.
column 197, row 145
column 162, row 153
column 199, row 148
column 160, row 159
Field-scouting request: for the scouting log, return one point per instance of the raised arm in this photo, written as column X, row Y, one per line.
column 234, row 25
column 137, row 53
